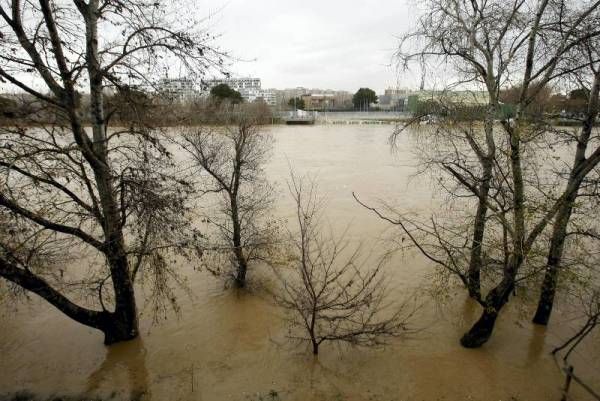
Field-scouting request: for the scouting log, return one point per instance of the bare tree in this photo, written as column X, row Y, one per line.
column 536, row 75
column 331, row 292
column 498, row 42
column 477, row 42
column 233, row 157
column 102, row 190
column 546, row 59
column 581, row 161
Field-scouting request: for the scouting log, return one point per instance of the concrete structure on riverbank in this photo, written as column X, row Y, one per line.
column 394, row 99
column 336, row 99
column 319, row 101
column 463, row 98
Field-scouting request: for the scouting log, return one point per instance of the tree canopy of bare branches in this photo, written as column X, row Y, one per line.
column 332, row 294
column 233, row 157
column 492, row 46
column 109, row 192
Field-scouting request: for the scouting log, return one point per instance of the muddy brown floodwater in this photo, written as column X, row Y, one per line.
column 229, row 345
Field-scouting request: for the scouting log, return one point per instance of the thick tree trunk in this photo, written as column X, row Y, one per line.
column 559, row 232
column 475, row 262
column 482, row 330
column 557, row 242
column 548, row 292
column 242, row 268
column 240, row 258
column 119, row 327
column 487, row 163
column 125, row 321
column 125, row 324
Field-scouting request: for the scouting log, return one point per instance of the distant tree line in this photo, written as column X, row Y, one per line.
column 546, row 104
column 127, row 105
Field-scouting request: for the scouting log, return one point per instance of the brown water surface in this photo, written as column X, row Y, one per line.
column 231, row 345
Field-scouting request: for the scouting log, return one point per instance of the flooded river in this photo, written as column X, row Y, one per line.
column 231, row 346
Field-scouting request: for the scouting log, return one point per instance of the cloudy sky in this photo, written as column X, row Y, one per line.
column 328, row 44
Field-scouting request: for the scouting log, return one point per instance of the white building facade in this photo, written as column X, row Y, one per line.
column 249, row 88
column 178, row 88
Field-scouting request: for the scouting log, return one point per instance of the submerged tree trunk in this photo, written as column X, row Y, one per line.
column 242, row 268
column 487, row 163
column 312, row 328
column 315, row 347
column 240, row 258
column 482, row 330
column 559, row 232
column 124, row 325
column 120, row 326
column 124, row 322
column 557, row 242
column 475, row 262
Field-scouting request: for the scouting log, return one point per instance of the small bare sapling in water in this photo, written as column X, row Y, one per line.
column 330, row 292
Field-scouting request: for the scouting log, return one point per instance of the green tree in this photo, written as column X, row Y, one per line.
column 224, row 92
column 297, row 102
column 363, row 98
column 8, row 108
column 579, row 94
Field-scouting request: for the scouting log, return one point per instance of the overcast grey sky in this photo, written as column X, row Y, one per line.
column 328, row 44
